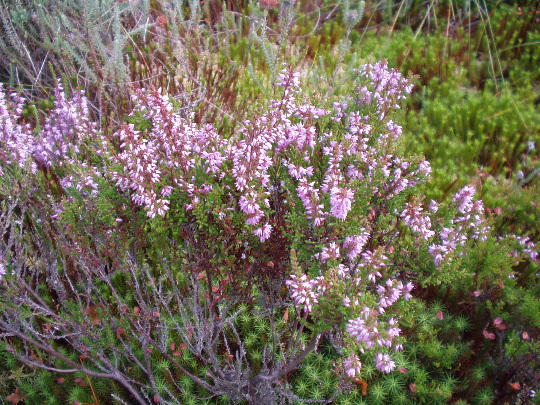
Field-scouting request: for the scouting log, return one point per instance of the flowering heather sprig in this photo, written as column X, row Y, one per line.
column 83, row 179
column 354, row 244
column 384, row 363
column 64, row 129
column 305, row 292
column 164, row 158
column 529, row 247
column 369, row 332
column 16, row 140
column 373, row 261
column 352, row 365
column 309, row 195
column 413, row 217
column 341, row 202
column 2, row 267
column 470, row 224
column 391, row 292
column 387, row 87
column 329, row 252
column 263, row 232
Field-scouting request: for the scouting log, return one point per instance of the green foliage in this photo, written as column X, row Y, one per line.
column 484, row 397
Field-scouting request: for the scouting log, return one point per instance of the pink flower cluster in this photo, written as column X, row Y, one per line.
column 16, row 139
column 352, row 365
column 386, row 88
column 391, row 292
column 529, row 247
column 354, row 244
column 282, row 141
column 64, row 129
column 469, row 223
column 304, row 291
column 368, row 330
column 384, row 363
column 156, row 162
column 413, row 217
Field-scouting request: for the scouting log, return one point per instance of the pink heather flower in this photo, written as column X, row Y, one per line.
column 310, row 111
column 433, row 206
column 339, row 111
column 2, row 267
column 388, row 295
column 166, row 191
column 395, row 130
column 352, row 365
column 413, row 218
column 529, row 246
column 438, row 252
column 384, row 363
column 464, row 199
column 299, row 172
column 16, row 141
column 471, row 224
column 359, row 125
column 288, row 79
column 64, row 128
column 393, row 331
column 249, row 205
column 405, row 290
column 213, row 160
column 329, row 252
column 309, row 195
column 387, row 87
column 424, row 167
column 354, row 244
column 263, row 232
column 304, row 292
column 373, row 262
column 340, row 202
column 366, row 330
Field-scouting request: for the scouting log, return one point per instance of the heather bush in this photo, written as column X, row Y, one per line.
column 200, row 257
column 139, row 260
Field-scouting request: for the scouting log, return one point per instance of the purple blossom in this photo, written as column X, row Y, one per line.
column 388, row 294
column 263, row 232
column 309, row 195
column 64, row 129
column 529, row 247
column 329, row 252
column 433, row 206
column 354, row 244
column 386, row 87
column 412, row 217
column 304, row 291
column 2, row 267
column 368, row 330
column 352, row 365
column 470, row 224
column 464, row 199
column 341, row 202
column 16, row 140
column 384, row 363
